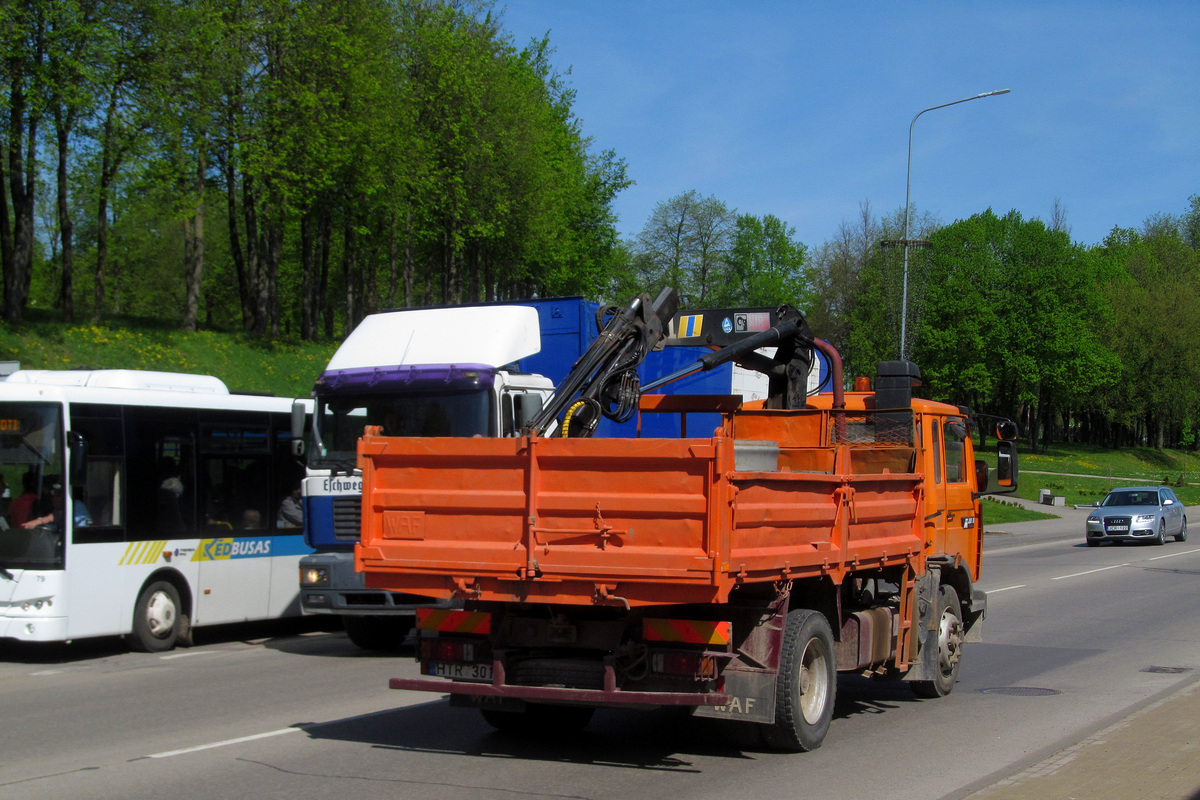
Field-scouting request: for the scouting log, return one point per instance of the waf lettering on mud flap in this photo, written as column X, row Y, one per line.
column 223, row 549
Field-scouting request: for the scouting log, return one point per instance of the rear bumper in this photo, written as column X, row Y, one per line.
column 609, row 696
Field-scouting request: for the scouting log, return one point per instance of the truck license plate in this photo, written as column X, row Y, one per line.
column 461, row 672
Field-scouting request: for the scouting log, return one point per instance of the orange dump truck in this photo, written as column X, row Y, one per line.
column 734, row 573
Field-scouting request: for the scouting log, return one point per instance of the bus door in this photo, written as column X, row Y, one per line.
column 236, row 517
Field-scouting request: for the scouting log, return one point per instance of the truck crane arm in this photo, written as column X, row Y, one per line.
column 604, row 381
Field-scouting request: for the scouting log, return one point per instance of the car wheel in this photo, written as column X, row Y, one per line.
column 1182, row 535
column 1162, row 533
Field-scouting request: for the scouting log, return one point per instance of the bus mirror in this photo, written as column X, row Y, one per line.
column 1006, row 464
column 299, row 415
column 77, row 446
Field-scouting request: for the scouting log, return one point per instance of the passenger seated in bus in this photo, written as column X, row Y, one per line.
column 23, row 506
column 291, row 511
column 251, row 520
column 170, row 518
column 5, row 503
column 79, row 513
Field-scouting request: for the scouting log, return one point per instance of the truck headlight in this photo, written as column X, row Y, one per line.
column 314, row 576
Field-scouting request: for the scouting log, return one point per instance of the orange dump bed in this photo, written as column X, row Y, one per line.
column 631, row 521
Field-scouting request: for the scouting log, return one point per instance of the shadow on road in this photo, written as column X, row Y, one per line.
column 661, row 739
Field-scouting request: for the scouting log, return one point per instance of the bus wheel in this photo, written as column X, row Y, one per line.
column 949, row 646
column 156, row 618
column 806, row 685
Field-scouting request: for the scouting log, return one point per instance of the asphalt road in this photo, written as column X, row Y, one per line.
column 1075, row 638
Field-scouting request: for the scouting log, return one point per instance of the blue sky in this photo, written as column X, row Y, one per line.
column 802, row 109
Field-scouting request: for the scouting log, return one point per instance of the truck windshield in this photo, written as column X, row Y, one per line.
column 30, row 468
column 340, row 419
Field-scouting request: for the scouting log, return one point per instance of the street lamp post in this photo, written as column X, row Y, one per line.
column 907, row 192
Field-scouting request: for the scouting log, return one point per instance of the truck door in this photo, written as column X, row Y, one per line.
column 962, row 525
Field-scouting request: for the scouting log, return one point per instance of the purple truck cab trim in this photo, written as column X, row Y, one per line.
column 452, row 376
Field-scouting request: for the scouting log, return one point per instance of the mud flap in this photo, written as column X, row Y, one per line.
column 753, row 693
column 925, row 666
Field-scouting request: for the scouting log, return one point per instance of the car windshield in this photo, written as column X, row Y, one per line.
column 1132, row 499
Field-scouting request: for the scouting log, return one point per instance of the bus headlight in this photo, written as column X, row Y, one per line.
column 314, row 576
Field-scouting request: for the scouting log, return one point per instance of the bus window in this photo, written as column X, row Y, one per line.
column 103, row 486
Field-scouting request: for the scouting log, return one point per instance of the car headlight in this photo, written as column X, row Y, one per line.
column 1093, row 519
column 314, row 576
column 1145, row 518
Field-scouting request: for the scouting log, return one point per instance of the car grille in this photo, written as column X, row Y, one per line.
column 1117, row 524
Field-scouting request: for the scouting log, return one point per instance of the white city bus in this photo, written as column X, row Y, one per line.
column 175, row 488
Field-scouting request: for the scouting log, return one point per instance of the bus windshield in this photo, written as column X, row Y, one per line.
column 31, row 463
column 340, row 419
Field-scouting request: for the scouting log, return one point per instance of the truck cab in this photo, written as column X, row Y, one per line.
column 417, row 373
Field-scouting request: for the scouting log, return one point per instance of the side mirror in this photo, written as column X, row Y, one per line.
column 1168, row 502
column 528, row 404
column 299, row 416
column 77, row 446
column 1006, row 465
column 1006, row 430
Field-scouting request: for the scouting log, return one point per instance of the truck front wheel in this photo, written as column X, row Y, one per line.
column 949, row 646
column 806, row 685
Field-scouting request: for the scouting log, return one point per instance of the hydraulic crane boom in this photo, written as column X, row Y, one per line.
column 604, row 381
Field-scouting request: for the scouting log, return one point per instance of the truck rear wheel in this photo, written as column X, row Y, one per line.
column 540, row 719
column 949, row 646
column 806, row 685
column 385, row 634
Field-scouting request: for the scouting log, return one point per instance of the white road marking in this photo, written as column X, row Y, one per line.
column 1172, row 555
column 212, row 745
column 1006, row 588
column 1089, row 572
column 191, row 653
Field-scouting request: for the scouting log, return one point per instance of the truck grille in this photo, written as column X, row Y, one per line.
column 347, row 518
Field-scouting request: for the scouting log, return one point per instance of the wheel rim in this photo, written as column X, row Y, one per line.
column 814, row 681
column 949, row 642
column 160, row 614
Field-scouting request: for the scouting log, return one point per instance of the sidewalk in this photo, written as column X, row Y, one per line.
column 1152, row 754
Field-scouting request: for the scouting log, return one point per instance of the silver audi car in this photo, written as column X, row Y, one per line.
column 1137, row 514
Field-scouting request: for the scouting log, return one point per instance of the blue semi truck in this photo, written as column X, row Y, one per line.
column 467, row 370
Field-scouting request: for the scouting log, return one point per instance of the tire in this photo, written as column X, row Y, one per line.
column 539, row 719
column 385, row 634
column 1182, row 535
column 156, row 618
column 806, row 685
column 949, row 646
column 1162, row 533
